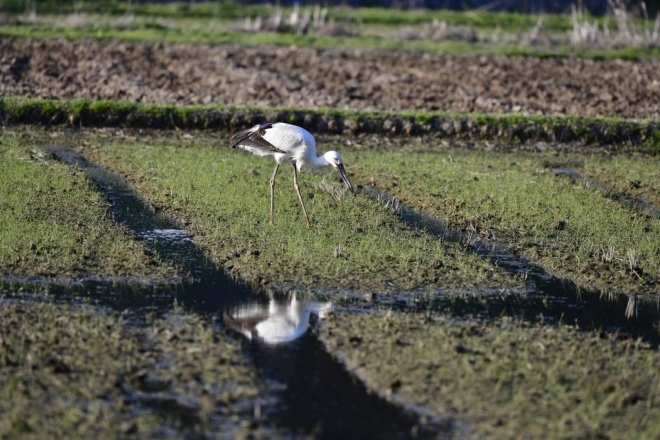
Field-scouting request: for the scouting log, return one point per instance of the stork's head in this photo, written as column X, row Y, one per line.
column 335, row 161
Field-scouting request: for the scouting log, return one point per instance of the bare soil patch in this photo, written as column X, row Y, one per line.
column 355, row 79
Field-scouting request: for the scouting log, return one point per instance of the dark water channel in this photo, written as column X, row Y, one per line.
column 318, row 396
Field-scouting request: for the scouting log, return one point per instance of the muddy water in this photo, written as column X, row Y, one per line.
column 316, row 395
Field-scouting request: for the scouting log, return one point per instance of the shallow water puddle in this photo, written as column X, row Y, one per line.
column 173, row 235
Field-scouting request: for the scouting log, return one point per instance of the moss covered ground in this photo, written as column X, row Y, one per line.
column 621, row 134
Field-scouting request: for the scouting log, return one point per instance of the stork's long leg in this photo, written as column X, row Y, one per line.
column 297, row 187
column 272, row 194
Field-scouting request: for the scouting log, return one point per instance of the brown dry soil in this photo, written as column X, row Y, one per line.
column 355, row 79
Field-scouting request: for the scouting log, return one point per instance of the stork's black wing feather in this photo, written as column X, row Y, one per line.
column 254, row 138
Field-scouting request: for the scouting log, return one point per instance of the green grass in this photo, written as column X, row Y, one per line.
column 635, row 135
column 208, row 34
column 223, row 198
column 181, row 10
column 570, row 229
column 629, row 175
column 233, row 11
column 377, row 28
column 55, row 223
column 509, row 22
column 567, row 227
column 506, row 379
column 366, row 16
column 74, row 371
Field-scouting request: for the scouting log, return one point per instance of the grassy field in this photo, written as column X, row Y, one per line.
column 629, row 175
column 177, row 373
column 219, row 34
column 506, row 379
column 514, row 198
column 569, row 228
column 55, row 223
column 228, row 11
column 69, row 367
column 566, row 227
column 223, row 198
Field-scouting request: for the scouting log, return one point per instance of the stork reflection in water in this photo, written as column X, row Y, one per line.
column 275, row 323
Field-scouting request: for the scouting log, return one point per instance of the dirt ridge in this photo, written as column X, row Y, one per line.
column 267, row 76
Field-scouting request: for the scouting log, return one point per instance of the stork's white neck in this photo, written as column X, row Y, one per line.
column 312, row 163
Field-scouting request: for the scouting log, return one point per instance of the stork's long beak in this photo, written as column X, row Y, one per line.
column 344, row 177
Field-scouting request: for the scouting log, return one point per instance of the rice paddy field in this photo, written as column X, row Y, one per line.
column 495, row 276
